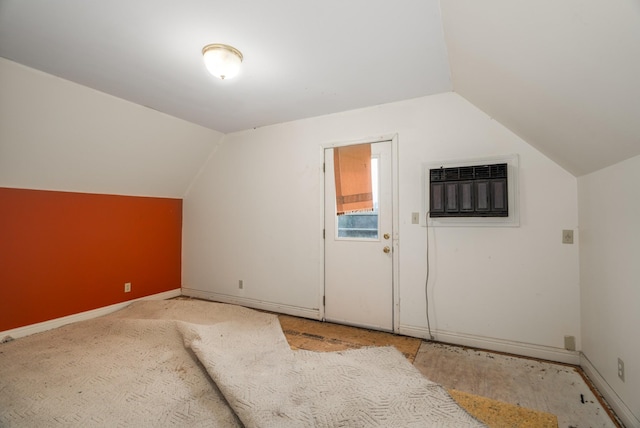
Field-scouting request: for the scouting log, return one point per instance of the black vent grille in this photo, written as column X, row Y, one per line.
column 469, row 172
column 469, row 191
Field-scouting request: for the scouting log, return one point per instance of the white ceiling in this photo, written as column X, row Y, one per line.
column 301, row 59
column 562, row 75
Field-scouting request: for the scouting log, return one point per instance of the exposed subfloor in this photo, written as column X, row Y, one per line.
column 544, row 386
column 540, row 385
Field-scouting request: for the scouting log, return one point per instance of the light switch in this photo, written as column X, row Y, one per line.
column 415, row 218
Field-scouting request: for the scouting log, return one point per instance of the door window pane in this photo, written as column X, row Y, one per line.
column 362, row 225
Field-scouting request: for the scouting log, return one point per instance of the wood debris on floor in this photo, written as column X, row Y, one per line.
column 326, row 337
column 498, row 414
column 531, row 383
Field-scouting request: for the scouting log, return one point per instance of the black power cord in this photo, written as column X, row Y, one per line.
column 426, row 282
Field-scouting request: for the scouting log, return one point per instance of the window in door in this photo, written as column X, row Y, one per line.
column 357, row 192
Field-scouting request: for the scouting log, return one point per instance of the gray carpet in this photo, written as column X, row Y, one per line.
column 192, row 363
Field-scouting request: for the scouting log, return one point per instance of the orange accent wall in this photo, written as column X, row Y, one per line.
column 63, row 253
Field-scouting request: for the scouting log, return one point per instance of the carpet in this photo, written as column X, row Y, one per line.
column 107, row 372
column 285, row 388
column 190, row 363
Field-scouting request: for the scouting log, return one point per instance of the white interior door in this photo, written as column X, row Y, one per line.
column 359, row 251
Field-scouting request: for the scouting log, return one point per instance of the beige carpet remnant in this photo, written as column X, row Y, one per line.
column 286, row 388
column 107, row 372
column 192, row 363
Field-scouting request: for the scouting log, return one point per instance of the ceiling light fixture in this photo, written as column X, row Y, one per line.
column 223, row 61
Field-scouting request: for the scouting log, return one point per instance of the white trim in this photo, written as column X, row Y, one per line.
column 395, row 190
column 613, row 399
column 493, row 344
column 372, row 140
column 321, row 195
column 82, row 316
column 513, row 220
column 253, row 303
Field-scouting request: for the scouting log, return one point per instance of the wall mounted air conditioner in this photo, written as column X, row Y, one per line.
column 472, row 192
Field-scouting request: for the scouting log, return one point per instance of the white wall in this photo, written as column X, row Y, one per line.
column 609, row 202
column 58, row 135
column 255, row 214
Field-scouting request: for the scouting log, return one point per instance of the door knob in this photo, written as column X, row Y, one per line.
column 386, row 236
column 387, row 250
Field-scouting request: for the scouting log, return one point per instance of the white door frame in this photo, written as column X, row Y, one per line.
column 393, row 138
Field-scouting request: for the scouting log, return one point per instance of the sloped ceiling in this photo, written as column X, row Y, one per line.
column 561, row 75
column 301, row 58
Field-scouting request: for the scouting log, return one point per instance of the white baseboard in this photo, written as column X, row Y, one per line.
column 253, row 303
column 613, row 399
column 492, row 344
column 94, row 313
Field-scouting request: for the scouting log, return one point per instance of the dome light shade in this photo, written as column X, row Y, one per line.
column 222, row 61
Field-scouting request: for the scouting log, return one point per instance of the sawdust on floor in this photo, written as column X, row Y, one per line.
column 326, row 337
column 499, row 414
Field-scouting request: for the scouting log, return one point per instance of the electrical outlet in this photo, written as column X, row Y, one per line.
column 570, row 343
column 567, row 236
column 621, row 369
column 415, row 218
column 127, row 287
column 241, row 284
